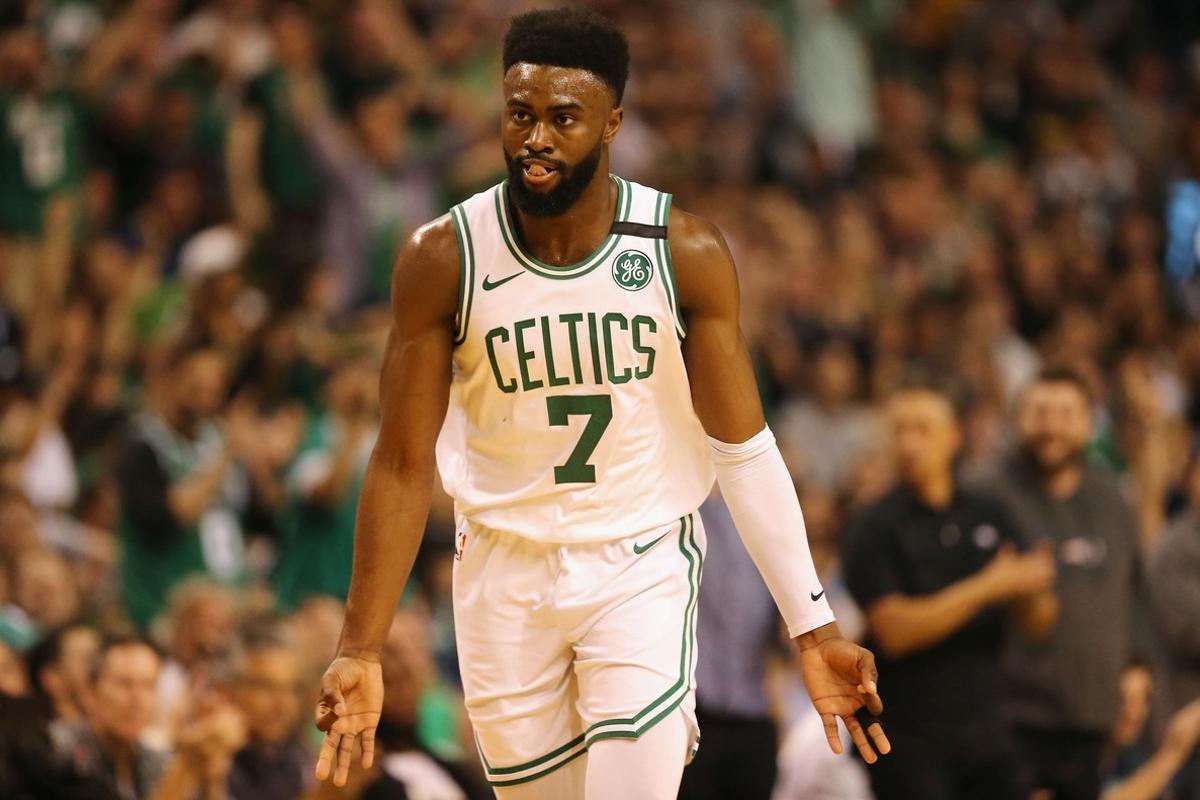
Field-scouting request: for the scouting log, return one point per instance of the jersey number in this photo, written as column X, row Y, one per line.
column 598, row 408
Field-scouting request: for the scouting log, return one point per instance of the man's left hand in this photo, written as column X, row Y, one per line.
column 842, row 680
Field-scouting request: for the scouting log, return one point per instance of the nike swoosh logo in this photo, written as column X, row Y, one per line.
column 488, row 284
column 817, row 596
column 641, row 548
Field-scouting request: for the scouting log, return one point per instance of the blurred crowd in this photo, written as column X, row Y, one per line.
column 952, row 222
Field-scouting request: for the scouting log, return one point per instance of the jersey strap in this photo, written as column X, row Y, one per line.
column 466, row 273
column 649, row 214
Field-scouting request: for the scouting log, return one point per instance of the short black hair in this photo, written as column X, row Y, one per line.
column 1062, row 373
column 115, row 641
column 570, row 37
column 47, row 652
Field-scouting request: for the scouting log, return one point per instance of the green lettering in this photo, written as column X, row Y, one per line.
column 553, row 379
column 572, row 319
column 595, row 346
column 525, row 356
column 613, row 376
column 647, row 350
column 598, row 409
column 501, row 334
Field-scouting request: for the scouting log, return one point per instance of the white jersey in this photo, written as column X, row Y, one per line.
column 570, row 416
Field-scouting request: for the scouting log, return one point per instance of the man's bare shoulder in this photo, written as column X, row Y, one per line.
column 425, row 276
column 701, row 259
column 431, row 247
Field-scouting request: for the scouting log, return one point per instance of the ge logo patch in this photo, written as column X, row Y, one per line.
column 631, row 270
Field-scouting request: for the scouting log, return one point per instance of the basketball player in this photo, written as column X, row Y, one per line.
column 583, row 335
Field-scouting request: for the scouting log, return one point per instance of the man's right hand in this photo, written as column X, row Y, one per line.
column 1011, row 575
column 351, row 699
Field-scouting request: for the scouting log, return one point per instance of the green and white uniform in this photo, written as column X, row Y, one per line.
column 570, row 445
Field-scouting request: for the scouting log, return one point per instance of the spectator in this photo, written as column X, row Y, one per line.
column 178, row 482
column 381, row 186
column 1173, row 578
column 317, row 522
column 410, row 768
column 1065, row 692
column 41, row 145
column 45, row 589
column 28, row 768
column 58, row 668
column 740, row 627
column 274, row 764
column 827, row 435
column 1155, row 775
column 935, row 566
column 274, row 180
column 108, row 747
column 199, row 629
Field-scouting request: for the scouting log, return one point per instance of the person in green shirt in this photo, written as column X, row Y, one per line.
column 317, row 520
column 41, row 171
column 181, row 485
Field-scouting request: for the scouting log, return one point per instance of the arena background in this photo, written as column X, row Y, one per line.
column 199, row 204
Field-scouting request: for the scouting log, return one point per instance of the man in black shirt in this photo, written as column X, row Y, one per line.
column 935, row 568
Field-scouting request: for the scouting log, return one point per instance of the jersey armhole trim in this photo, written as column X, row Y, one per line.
column 466, row 273
column 662, row 213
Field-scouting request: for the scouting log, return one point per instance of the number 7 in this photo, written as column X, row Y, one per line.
column 598, row 408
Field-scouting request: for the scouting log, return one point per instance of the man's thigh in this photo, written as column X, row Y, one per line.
column 518, row 684
column 635, row 653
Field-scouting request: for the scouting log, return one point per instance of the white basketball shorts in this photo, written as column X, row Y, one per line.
column 564, row 645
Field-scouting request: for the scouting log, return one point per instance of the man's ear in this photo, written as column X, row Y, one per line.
column 614, row 124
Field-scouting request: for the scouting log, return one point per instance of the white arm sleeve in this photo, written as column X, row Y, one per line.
column 758, row 490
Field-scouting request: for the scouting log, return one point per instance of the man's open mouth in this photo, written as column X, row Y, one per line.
column 538, row 172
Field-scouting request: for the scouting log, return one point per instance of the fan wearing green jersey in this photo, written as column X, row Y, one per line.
column 565, row 353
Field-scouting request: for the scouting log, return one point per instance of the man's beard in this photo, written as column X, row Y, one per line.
column 571, row 183
column 1049, row 468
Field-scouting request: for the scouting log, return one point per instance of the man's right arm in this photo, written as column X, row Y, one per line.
column 414, row 390
column 904, row 624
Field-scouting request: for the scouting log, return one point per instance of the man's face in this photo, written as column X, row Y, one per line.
column 206, row 629
column 836, row 374
column 200, row 386
column 123, row 699
column 45, row 589
column 267, row 694
column 556, row 123
column 1053, row 424
column 925, row 435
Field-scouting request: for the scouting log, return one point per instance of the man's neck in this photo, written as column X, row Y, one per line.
column 67, row 711
column 573, row 235
column 936, row 491
column 1062, row 482
column 177, row 421
column 117, row 751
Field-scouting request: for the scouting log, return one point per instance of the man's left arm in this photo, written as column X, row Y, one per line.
column 756, row 485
